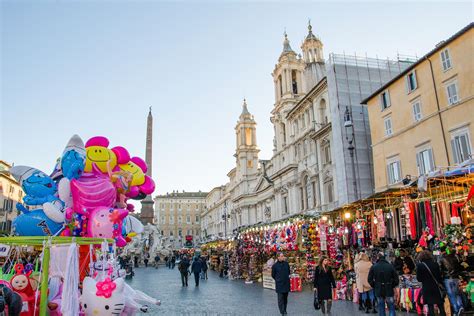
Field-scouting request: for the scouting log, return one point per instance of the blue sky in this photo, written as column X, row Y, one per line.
column 94, row 68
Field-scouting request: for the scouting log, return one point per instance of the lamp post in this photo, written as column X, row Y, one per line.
column 350, row 137
column 225, row 216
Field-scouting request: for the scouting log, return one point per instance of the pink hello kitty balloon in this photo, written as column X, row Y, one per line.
column 106, row 222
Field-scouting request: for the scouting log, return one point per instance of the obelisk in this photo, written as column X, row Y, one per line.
column 147, row 213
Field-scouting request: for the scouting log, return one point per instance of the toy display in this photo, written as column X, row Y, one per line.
column 86, row 195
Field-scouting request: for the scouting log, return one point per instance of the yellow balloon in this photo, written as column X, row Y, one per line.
column 132, row 234
column 99, row 155
column 138, row 177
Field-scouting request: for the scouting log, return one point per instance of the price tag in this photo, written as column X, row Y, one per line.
column 4, row 250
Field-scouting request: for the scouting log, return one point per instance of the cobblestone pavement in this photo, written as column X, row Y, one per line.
column 217, row 296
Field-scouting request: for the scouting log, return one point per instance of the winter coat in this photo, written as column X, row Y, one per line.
column 281, row 274
column 400, row 262
column 196, row 267
column 204, row 264
column 383, row 278
column 183, row 265
column 324, row 283
column 430, row 289
column 450, row 266
column 362, row 269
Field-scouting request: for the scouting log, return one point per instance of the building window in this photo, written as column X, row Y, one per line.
column 188, row 219
column 313, row 187
column 171, row 219
column 452, row 93
column 394, row 171
column 162, row 233
column 180, row 233
column 294, row 82
column 461, row 146
column 329, row 191
column 425, row 161
column 388, row 126
column 285, row 205
column 309, row 193
column 171, row 233
column 162, row 219
column 180, row 219
column 197, row 218
column 417, row 111
column 326, row 148
column 302, row 206
column 411, row 81
column 384, row 100
column 446, row 60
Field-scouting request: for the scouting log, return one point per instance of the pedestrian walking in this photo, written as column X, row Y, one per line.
column 404, row 263
column 135, row 261
column 167, row 261
column 281, row 275
column 157, row 260
column 323, row 284
column 204, row 267
column 173, row 261
column 146, row 259
column 196, row 269
column 450, row 270
column 183, row 268
column 383, row 278
column 367, row 297
column 221, row 266
column 429, row 274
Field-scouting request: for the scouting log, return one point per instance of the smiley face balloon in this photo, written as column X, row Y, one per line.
column 98, row 153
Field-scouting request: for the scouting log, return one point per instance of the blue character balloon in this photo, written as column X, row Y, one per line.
column 40, row 189
column 35, row 223
column 74, row 158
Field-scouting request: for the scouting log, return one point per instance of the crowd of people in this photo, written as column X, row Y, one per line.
column 376, row 282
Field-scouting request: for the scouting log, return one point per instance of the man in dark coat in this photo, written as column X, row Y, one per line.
column 404, row 263
column 281, row 274
column 183, row 269
column 429, row 274
column 383, row 278
column 196, row 268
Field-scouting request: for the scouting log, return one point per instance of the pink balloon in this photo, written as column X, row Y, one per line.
column 122, row 154
column 98, row 141
column 91, row 191
column 148, row 186
column 105, row 222
column 141, row 163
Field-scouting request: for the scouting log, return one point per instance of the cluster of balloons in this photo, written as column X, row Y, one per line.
column 86, row 194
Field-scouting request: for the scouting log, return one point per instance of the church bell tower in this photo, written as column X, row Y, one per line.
column 247, row 151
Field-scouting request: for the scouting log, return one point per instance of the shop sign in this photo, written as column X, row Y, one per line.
column 4, row 250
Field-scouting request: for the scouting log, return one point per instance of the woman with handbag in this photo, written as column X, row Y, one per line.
column 429, row 274
column 367, row 297
column 323, row 284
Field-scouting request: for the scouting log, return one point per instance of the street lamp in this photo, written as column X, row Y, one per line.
column 350, row 137
column 225, row 216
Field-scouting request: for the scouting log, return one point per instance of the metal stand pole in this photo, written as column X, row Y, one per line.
column 44, row 280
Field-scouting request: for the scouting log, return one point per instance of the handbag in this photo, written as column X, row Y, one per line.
column 441, row 288
column 316, row 303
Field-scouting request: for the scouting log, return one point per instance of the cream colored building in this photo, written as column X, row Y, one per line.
column 177, row 215
column 10, row 194
column 423, row 120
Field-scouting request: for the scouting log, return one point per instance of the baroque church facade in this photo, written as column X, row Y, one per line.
column 321, row 149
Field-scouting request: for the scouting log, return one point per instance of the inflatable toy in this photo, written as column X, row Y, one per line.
column 97, row 152
column 35, row 223
column 106, row 222
column 73, row 158
column 105, row 298
column 132, row 225
column 21, row 285
column 40, row 189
